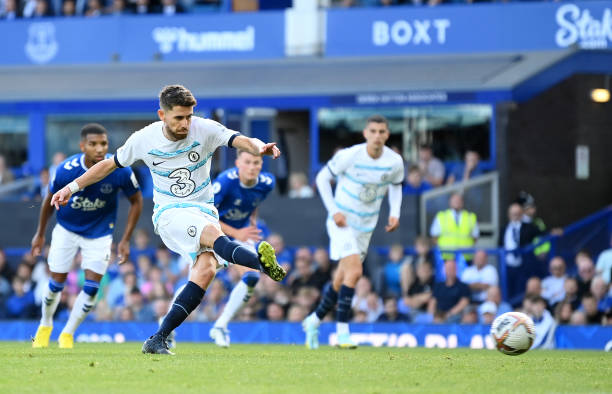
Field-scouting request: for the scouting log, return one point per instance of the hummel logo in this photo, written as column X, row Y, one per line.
column 159, row 162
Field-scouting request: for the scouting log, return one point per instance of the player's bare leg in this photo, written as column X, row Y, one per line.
column 240, row 295
column 201, row 275
column 83, row 304
column 51, row 299
column 236, row 253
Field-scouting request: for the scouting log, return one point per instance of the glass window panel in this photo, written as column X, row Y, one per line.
column 450, row 129
column 14, row 139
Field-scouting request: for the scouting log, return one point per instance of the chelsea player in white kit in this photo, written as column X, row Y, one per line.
column 363, row 174
column 238, row 192
column 87, row 223
column 177, row 149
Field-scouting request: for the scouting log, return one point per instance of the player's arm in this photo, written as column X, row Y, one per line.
column 395, row 205
column 96, row 173
column 38, row 241
column 133, row 214
column 255, row 146
column 323, row 180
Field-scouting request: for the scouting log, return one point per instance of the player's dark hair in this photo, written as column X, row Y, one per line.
column 92, row 128
column 175, row 96
column 377, row 119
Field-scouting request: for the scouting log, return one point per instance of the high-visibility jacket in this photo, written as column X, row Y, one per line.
column 453, row 235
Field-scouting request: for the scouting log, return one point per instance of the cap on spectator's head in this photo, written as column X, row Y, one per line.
column 488, row 307
column 525, row 199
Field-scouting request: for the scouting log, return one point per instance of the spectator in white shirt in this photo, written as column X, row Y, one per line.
column 480, row 276
column 431, row 167
column 553, row 285
column 604, row 264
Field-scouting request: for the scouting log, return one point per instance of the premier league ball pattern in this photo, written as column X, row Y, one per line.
column 513, row 332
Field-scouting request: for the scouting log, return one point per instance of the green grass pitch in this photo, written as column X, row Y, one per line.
column 113, row 368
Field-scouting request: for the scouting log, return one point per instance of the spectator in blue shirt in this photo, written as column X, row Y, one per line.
column 470, row 168
column 21, row 304
column 449, row 297
column 415, row 183
column 391, row 313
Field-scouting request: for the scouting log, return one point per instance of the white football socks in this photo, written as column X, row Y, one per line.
column 50, row 301
column 314, row 319
column 83, row 304
column 239, row 296
column 342, row 328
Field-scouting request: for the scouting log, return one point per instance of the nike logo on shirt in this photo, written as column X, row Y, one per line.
column 159, row 162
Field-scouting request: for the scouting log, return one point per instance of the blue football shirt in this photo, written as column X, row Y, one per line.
column 92, row 211
column 236, row 202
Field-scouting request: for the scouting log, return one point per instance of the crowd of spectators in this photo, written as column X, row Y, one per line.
column 13, row 9
column 408, row 287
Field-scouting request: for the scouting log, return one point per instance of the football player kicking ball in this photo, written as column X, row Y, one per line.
column 86, row 223
column 177, row 149
column 238, row 192
column 363, row 174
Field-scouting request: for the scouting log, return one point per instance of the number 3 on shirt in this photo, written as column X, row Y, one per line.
column 184, row 185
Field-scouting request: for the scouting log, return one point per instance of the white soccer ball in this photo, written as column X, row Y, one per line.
column 513, row 333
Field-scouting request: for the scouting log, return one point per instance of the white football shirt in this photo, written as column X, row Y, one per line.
column 180, row 169
column 362, row 183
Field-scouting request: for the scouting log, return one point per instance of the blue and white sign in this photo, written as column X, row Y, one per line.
column 378, row 334
column 469, row 29
column 144, row 39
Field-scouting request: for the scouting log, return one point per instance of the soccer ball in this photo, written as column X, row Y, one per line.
column 513, row 333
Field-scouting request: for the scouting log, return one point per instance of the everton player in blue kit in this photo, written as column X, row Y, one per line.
column 238, row 192
column 86, row 223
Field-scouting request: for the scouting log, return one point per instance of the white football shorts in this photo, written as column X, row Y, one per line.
column 95, row 252
column 345, row 241
column 180, row 229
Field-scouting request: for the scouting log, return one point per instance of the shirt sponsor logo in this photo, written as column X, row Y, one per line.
column 85, row 204
column 578, row 26
column 235, row 214
column 179, row 39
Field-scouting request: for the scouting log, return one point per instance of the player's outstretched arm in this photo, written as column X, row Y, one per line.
column 96, row 173
column 123, row 248
column 38, row 241
column 256, row 147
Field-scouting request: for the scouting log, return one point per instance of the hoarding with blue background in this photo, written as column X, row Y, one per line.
column 379, row 334
column 477, row 28
column 133, row 39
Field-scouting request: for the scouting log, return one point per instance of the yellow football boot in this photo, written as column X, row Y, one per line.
column 42, row 337
column 66, row 341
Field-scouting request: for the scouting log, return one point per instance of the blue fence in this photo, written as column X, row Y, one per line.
column 132, row 39
column 379, row 334
column 478, row 28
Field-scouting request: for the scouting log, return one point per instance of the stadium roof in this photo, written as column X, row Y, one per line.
column 285, row 77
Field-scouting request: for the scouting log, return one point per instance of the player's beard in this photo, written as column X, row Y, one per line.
column 173, row 134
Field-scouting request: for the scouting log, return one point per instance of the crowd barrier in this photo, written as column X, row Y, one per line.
column 378, row 334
